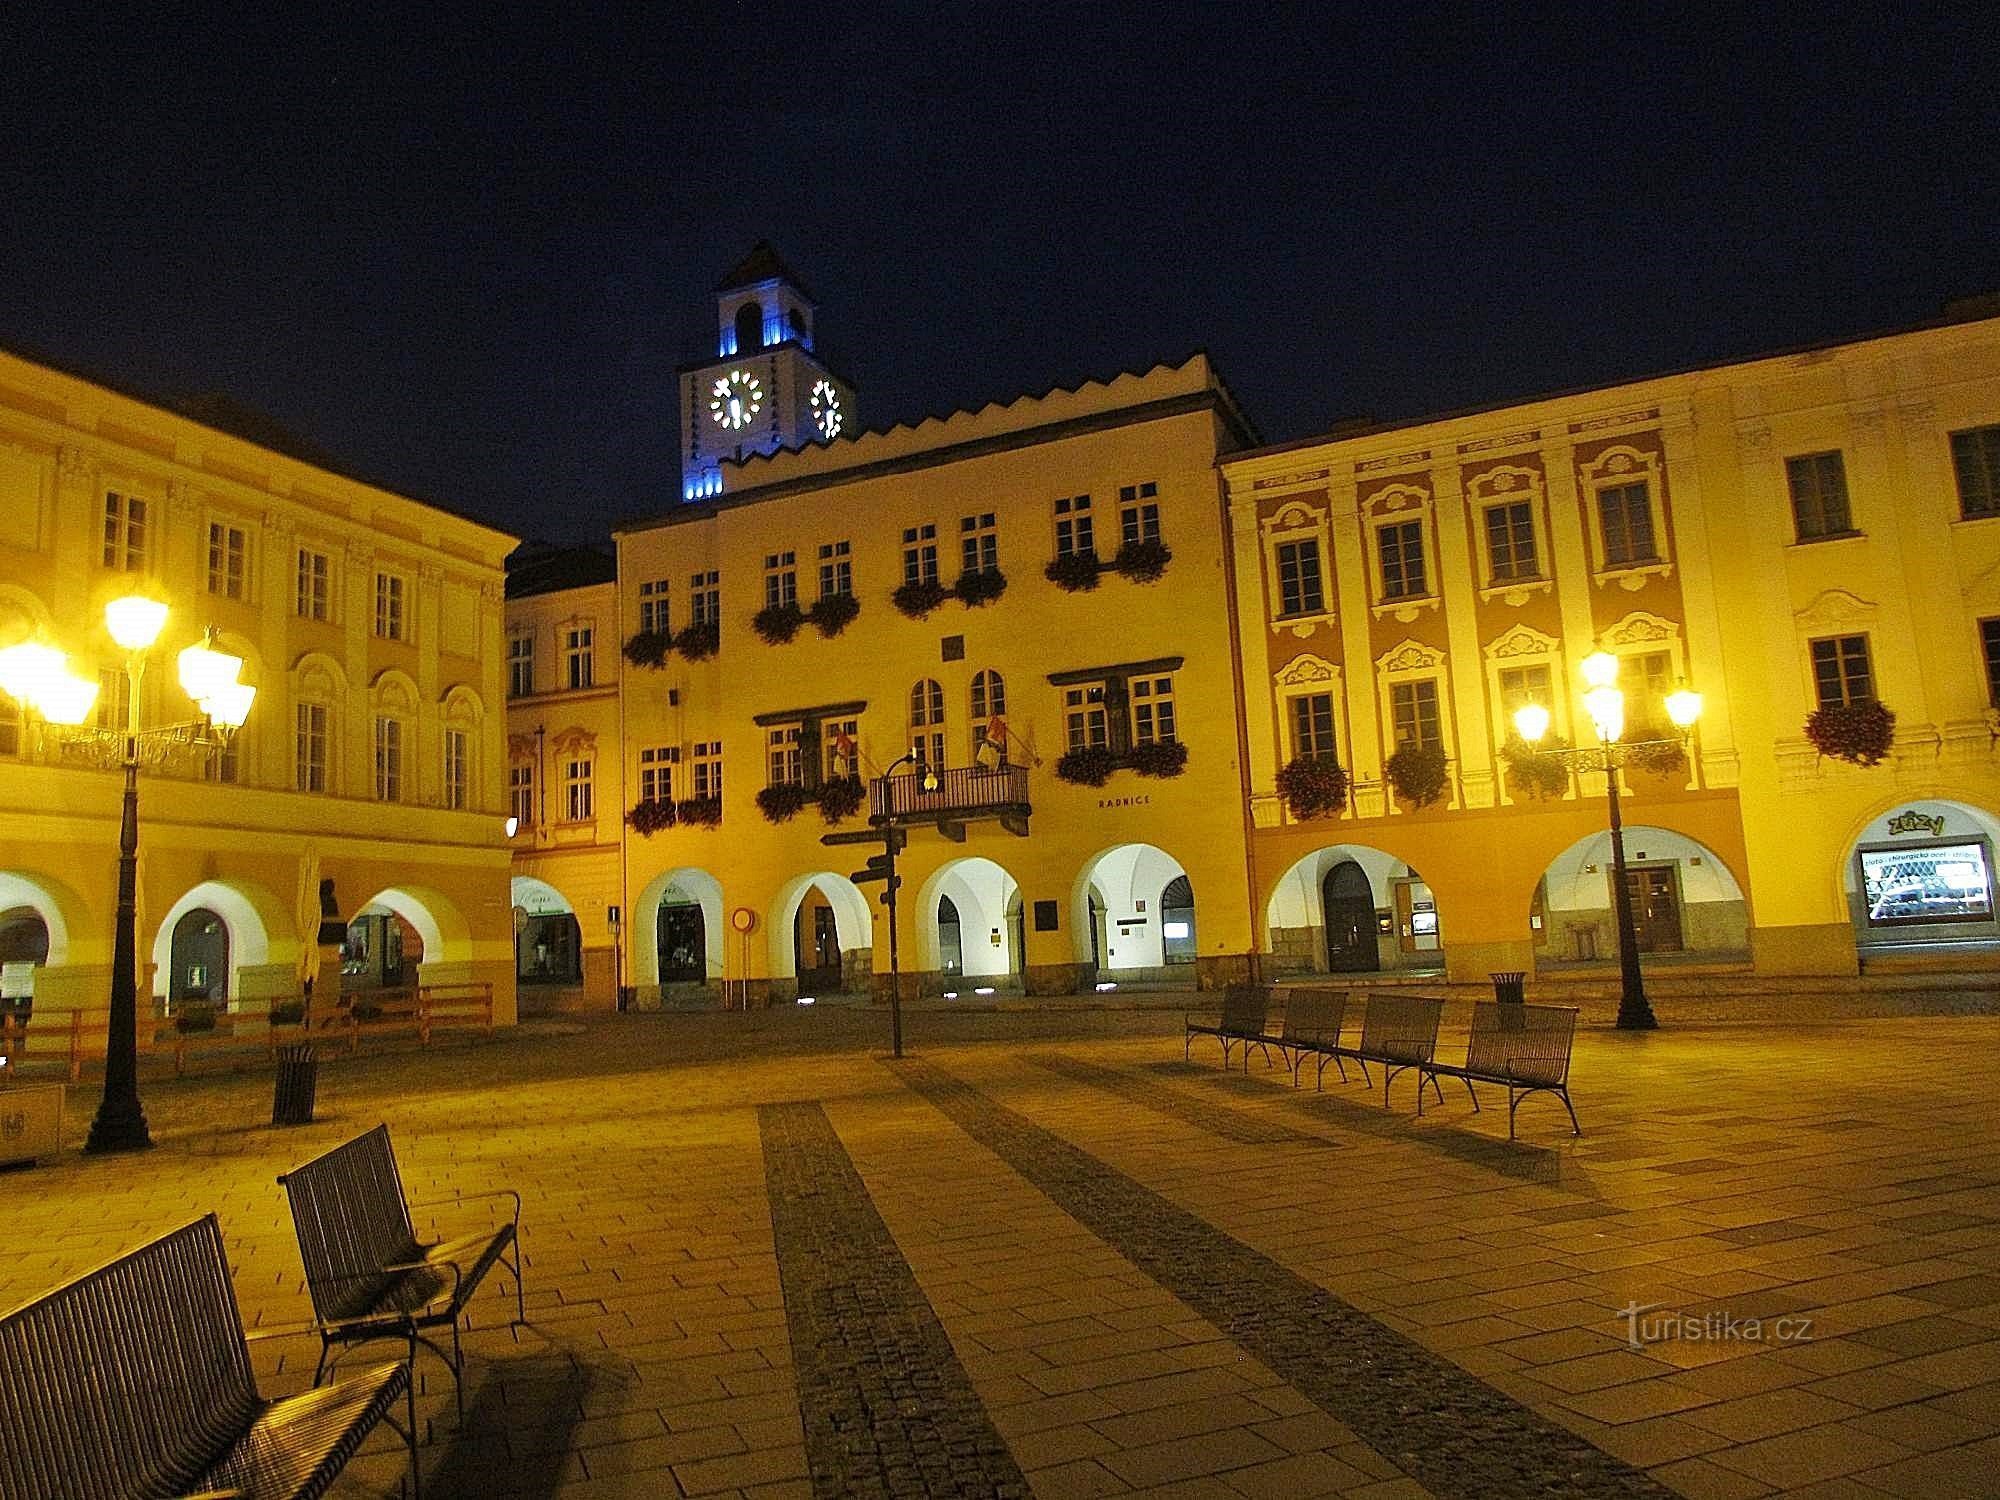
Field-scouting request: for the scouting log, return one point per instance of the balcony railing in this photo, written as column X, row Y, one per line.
column 962, row 791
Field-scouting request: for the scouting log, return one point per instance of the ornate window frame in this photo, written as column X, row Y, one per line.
column 1498, row 486
column 1524, row 646
column 1834, row 612
column 1393, row 506
column 318, row 680
column 1412, row 661
column 1622, row 464
column 462, row 710
column 1303, row 677
column 1298, row 521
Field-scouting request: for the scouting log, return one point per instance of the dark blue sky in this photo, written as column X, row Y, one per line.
column 465, row 254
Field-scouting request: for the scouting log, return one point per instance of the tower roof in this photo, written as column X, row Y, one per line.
column 762, row 264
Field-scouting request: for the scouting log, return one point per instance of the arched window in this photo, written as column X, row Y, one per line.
column 749, row 327
column 1177, row 921
column 927, row 723
column 989, row 706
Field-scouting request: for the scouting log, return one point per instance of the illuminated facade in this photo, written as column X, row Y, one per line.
column 371, row 626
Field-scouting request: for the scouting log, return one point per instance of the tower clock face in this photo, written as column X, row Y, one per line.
column 735, row 399
column 826, row 411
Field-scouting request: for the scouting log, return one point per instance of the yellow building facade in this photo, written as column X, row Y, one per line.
column 374, row 754
column 1807, row 531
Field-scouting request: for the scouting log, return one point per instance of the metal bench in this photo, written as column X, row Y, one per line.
column 1523, row 1047
column 1246, row 1008
column 134, row 1380
column 1311, row 1028
column 369, row 1276
column 1399, row 1032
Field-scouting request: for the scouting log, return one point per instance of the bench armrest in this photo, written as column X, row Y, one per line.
column 457, row 1272
column 476, row 1198
column 216, row 1495
column 282, row 1331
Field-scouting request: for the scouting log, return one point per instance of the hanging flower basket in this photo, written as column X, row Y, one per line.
column 1532, row 770
column 833, row 613
column 1420, row 774
column 699, row 812
column 980, row 586
column 1074, row 572
column 776, row 624
column 1313, row 786
column 650, row 816
column 1859, row 733
column 781, row 803
column 1143, row 562
column 1088, row 765
column 1656, row 751
column 699, row 641
column 649, row 648
column 840, row 797
column 918, row 599
column 1160, row 758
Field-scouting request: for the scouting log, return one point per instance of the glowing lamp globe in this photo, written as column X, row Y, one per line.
column 930, row 781
column 1606, row 707
column 1531, row 720
column 135, row 621
column 205, row 672
column 513, row 826
column 1684, row 707
column 1600, row 669
column 229, row 704
column 67, row 698
column 27, row 668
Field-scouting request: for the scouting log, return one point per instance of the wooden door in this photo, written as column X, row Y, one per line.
column 1656, row 910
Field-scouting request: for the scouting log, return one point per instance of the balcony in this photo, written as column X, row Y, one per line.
column 963, row 794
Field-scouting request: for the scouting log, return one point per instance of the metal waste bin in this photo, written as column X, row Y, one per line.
column 298, row 1082
column 1507, row 986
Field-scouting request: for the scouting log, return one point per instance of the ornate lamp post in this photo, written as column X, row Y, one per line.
column 891, row 837
column 1605, row 704
column 39, row 677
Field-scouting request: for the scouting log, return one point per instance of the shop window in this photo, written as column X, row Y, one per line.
column 1841, row 671
column 1934, row 883
column 1818, row 482
column 1975, row 459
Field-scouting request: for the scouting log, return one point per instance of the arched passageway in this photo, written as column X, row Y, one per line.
column 1684, row 900
column 822, row 936
column 1135, row 916
column 1353, row 909
column 404, row 936
column 198, row 963
column 1919, row 877
column 680, row 944
column 548, row 941
column 222, row 942
column 970, row 925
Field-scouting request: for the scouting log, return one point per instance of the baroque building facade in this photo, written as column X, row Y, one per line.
column 374, row 754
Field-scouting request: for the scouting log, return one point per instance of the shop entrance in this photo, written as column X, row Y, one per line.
column 1350, row 920
column 1656, row 909
column 682, row 939
column 817, row 941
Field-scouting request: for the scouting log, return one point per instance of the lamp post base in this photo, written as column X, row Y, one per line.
column 1635, row 1014
column 120, row 1126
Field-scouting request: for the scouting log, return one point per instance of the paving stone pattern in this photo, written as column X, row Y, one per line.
column 1455, row 1434
column 1218, row 1119
column 888, row 1409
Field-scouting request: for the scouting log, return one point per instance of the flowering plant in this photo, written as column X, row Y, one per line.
column 1420, row 774
column 650, row 816
column 1143, row 562
column 1859, row 733
column 781, row 803
column 918, row 599
column 649, row 648
column 699, row 641
column 1087, row 765
column 1074, row 572
column 840, row 797
column 777, row 623
column 833, row 613
column 1533, row 770
column 977, row 586
column 1313, row 786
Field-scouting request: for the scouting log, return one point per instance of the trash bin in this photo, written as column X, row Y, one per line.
column 298, row 1082
column 1507, row 986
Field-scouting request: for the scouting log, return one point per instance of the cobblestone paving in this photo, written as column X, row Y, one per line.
column 888, row 1409
column 1218, row 1119
column 1454, row 1433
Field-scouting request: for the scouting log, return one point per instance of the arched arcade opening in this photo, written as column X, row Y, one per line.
column 1352, row 909
column 679, row 941
column 222, row 942
column 548, row 940
column 822, row 937
column 406, row 936
column 1918, row 879
column 1685, row 900
column 970, row 926
column 1135, row 917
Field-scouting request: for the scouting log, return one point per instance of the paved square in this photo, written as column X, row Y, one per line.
column 1046, row 1256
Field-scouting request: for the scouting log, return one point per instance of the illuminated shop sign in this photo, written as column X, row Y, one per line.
column 1942, row 883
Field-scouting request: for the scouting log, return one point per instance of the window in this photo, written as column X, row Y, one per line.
column 521, row 795
column 1819, row 495
column 388, row 760
column 1138, row 513
column 1413, row 709
column 1655, row 671
column 1074, row 537
column 125, row 536
column 783, row 756
column 1400, row 546
column 579, row 798
column 1625, row 513
column 836, row 569
column 309, row 748
column 708, row 769
column 520, row 666
column 1085, row 725
column 927, row 724
column 989, row 711
column 1153, row 711
column 1520, row 686
column 389, row 606
column 1975, row 456
column 114, row 698
column 1989, row 643
column 656, row 773
column 653, row 607
column 457, row 769
column 579, row 657
column 1300, row 591
column 1510, row 541
column 313, row 598
column 841, row 748
column 781, row 579
column 1841, row 674
column 227, row 548
column 920, row 563
column 1312, row 724
column 705, row 598
column 978, row 543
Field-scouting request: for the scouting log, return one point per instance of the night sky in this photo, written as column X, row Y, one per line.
column 465, row 255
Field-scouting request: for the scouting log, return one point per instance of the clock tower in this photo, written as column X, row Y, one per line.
column 766, row 388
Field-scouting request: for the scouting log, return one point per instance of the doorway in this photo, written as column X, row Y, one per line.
column 816, row 942
column 1177, row 940
column 1349, row 903
column 200, row 958
column 951, row 943
column 1656, row 909
column 682, row 944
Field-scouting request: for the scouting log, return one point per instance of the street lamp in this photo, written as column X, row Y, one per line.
column 38, row 676
column 1605, row 704
column 929, row 782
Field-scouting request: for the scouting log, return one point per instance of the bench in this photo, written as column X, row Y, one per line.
column 369, row 1276
column 1523, row 1047
column 1399, row 1032
column 1246, row 1009
column 1311, row 1028
column 134, row 1380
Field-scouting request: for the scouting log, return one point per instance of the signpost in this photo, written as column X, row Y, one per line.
column 882, row 867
